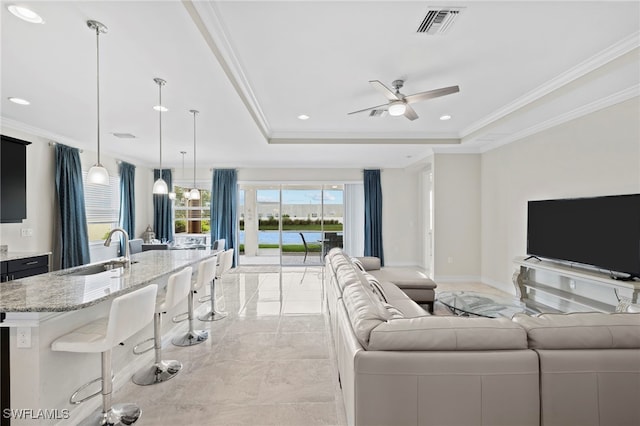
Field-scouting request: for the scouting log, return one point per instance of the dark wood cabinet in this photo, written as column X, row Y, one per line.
column 13, row 179
column 26, row 267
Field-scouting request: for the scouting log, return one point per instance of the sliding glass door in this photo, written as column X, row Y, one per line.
column 290, row 224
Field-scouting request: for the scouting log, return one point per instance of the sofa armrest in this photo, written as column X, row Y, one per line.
column 370, row 263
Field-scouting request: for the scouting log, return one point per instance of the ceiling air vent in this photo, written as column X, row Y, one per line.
column 377, row 113
column 124, row 135
column 439, row 21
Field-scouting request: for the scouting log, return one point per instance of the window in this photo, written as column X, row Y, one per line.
column 102, row 203
column 191, row 216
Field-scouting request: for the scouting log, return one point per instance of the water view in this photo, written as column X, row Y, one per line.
column 288, row 237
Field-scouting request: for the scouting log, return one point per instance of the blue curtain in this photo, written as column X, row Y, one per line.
column 162, row 211
column 72, row 239
column 224, row 201
column 127, row 219
column 373, row 215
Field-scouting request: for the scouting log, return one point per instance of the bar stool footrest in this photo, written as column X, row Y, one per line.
column 72, row 399
column 177, row 318
column 137, row 352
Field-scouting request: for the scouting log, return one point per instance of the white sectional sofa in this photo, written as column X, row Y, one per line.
column 398, row 365
column 416, row 285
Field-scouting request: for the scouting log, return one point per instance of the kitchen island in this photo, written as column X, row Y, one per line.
column 39, row 309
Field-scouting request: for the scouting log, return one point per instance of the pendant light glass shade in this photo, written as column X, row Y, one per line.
column 97, row 173
column 194, row 194
column 160, row 186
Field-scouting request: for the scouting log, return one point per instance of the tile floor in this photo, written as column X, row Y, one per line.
column 270, row 362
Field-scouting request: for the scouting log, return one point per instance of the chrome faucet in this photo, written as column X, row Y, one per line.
column 126, row 260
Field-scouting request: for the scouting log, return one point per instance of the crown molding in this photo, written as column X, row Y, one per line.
column 36, row 131
column 206, row 17
column 8, row 123
column 363, row 141
column 605, row 56
column 589, row 108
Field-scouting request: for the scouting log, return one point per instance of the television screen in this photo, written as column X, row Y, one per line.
column 603, row 232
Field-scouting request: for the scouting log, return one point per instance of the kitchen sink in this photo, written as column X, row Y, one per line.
column 100, row 268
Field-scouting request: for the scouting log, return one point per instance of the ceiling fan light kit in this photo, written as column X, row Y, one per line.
column 397, row 108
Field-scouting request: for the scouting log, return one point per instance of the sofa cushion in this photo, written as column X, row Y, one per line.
column 432, row 333
column 582, row 330
column 404, row 278
column 339, row 261
column 364, row 308
column 346, row 277
column 369, row 263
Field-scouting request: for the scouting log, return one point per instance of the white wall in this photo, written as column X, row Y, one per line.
column 456, row 221
column 401, row 223
column 598, row 154
column 40, row 198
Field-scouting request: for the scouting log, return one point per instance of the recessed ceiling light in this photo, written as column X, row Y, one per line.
column 303, row 117
column 161, row 108
column 19, row 101
column 445, row 117
column 25, row 14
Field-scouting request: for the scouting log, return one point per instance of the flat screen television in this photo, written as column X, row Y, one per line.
column 601, row 232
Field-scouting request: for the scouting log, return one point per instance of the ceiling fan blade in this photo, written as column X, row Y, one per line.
column 423, row 96
column 386, row 92
column 410, row 113
column 368, row 109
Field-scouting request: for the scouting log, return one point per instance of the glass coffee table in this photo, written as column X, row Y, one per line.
column 471, row 303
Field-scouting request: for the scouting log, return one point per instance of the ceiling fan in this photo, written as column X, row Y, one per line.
column 399, row 104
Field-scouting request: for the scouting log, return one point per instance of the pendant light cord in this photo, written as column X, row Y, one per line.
column 194, row 148
column 98, row 84
column 160, row 112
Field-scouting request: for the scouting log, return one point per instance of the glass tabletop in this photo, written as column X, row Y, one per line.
column 482, row 304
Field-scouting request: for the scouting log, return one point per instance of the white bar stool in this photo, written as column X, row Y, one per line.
column 178, row 288
column 129, row 314
column 206, row 268
column 224, row 264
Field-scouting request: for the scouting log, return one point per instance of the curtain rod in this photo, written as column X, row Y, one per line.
column 56, row 143
column 79, row 150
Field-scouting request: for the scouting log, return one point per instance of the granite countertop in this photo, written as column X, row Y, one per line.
column 13, row 255
column 68, row 290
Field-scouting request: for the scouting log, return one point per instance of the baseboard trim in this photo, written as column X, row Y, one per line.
column 506, row 287
column 457, row 278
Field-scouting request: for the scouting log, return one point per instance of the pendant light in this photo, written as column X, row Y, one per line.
column 194, row 193
column 160, row 186
column 98, row 173
column 185, row 194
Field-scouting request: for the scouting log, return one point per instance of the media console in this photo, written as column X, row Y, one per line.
column 550, row 286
